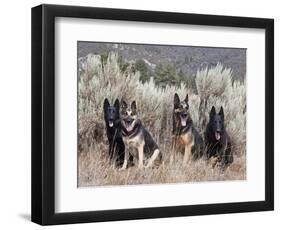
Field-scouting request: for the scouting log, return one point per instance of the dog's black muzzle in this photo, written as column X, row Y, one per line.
column 183, row 115
column 128, row 121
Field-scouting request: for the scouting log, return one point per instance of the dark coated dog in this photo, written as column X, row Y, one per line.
column 113, row 131
column 217, row 140
column 136, row 138
column 186, row 138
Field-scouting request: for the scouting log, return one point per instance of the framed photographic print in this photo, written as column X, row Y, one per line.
column 141, row 114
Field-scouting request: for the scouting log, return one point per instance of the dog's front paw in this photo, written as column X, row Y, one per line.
column 121, row 169
column 124, row 166
column 222, row 166
column 148, row 165
column 214, row 161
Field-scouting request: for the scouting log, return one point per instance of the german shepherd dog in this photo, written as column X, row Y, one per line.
column 113, row 131
column 186, row 138
column 136, row 138
column 217, row 140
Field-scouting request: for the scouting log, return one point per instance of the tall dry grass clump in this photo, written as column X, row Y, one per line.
column 104, row 79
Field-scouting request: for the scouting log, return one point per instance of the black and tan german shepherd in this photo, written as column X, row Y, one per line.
column 136, row 138
column 217, row 141
column 186, row 138
column 113, row 131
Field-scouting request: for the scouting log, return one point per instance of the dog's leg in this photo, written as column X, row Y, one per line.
column 126, row 157
column 223, row 163
column 228, row 153
column 140, row 151
column 172, row 156
column 187, row 154
column 214, row 161
column 153, row 158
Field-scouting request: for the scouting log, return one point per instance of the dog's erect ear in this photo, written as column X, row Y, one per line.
column 105, row 104
column 123, row 104
column 221, row 113
column 116, row 104
column 176, row 100
column 186, row 98
column 213, row 112
column 134, row 106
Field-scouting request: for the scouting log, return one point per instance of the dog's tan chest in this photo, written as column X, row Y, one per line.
column 186, row 138
column 184, row 144
column 182, row 141
column 135, row 146
column 134, row 142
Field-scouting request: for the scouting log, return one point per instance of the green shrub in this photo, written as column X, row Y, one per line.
column 142, row 68
column 166, row 74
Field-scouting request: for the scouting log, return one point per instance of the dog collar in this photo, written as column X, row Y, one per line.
column 131, row 133
column 185, row 129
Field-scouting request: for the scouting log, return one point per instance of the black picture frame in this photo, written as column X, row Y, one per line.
column 43, row 114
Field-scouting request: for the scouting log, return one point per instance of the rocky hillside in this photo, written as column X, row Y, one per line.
column 185, row 59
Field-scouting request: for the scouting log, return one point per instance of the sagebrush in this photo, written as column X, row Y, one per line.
column 103, row 78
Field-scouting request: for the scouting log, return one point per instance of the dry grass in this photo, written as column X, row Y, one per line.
column 156, row 105
column 95, row 169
